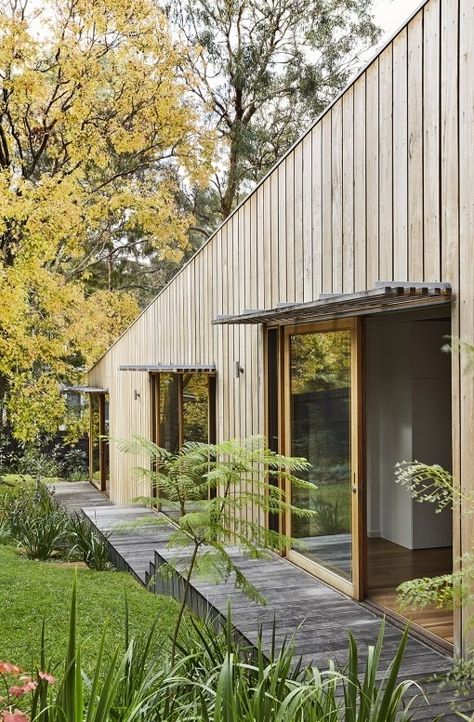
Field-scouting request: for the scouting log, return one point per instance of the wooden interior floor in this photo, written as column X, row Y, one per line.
column 389, row 564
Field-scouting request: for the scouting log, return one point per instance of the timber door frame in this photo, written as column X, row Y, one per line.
column 102, row 442
column 354, row 588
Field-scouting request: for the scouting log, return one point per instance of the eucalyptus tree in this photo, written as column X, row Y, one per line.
column 262, row 70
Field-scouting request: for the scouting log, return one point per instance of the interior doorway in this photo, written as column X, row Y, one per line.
column 408, row 417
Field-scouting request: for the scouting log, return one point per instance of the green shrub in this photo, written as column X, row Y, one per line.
column 36, row 522
column 5, row 535
column 73, row 463
column 89, row 546
column 30, row 516
column 37, row 462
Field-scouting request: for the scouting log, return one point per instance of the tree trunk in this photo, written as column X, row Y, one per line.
column 3, row 400
column 228, row 199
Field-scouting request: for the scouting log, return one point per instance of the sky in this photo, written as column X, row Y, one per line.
column 390, row 14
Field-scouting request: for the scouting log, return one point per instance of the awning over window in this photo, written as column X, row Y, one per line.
column 86, row 389
column 172, row 368
column 387, row 296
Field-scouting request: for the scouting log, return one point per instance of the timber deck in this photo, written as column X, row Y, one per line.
column 313, row 615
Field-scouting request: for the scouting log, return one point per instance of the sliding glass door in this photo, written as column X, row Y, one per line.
column 322, row 373
column 99, row 471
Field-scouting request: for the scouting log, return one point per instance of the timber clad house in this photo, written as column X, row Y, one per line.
column 315, row 315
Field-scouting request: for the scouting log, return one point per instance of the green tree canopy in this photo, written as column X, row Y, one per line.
column 262, row 71
column 95, row 127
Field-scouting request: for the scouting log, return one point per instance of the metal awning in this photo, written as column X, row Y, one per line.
column 86, row 389
column 171, row 368
column 386, row 296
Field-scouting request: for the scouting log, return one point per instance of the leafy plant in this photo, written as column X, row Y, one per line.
column 71, row 703
column 330, row 517
column 36, row 522
column 426, row 483
column 36, row 461
column 217, row 679
column 437, row 591
column 74, row 464
column 6, row 456
column 5, row 535
column 17, row 685
column 461, row 676
column 431, row 483
column 280, row 691
column 244, row 475
column 87, row 544
column 32, row 518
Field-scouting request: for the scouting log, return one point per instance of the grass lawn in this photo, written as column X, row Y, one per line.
column 31, row 591
column 10, row 480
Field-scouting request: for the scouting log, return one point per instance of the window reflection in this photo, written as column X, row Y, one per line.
column 320, row 432
column 106, row 433
column 95, row 437
column 195, row 408
column 169, row 412
column 185, row 415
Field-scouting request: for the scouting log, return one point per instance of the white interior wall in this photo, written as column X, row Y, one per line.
column 408, row 387
column 389, row 412
column 431, row 412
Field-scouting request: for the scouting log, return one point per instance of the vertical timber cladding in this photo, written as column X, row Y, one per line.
column 380, row 188
column 466, row 265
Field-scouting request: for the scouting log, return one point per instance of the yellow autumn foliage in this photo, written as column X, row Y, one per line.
column 96, row 129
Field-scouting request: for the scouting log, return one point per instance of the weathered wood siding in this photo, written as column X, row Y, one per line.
column 381, row 188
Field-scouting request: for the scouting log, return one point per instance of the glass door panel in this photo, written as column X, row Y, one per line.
column 94, row 438
column 321, row 399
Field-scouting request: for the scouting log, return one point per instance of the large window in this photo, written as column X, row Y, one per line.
column 183, row 407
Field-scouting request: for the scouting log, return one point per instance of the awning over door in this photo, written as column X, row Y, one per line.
column 86, row 389
column 171, row 368
column 387, row 296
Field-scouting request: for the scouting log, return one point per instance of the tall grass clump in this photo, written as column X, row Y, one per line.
column 214, row 678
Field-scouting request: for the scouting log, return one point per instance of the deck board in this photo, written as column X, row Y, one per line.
column 313, row 615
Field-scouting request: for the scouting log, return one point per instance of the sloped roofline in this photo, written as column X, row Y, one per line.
column 308, row 130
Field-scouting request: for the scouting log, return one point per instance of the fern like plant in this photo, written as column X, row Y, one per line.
column 223, row 494
column 430, row 483
column 435, row 485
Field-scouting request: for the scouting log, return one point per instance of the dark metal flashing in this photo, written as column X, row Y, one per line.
column 86, row 389
column 171, row 368
column 386, row 296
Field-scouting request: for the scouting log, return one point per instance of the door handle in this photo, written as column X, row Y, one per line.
column 355, row 485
